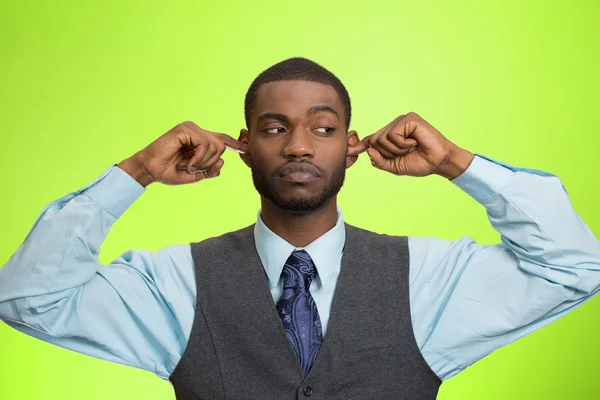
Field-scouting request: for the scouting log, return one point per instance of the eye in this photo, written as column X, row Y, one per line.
column 277, row 129
column 325, row 129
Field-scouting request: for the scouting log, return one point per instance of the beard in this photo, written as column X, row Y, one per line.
column 266, row 188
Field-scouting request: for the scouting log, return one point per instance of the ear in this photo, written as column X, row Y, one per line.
column 245, row 138
column 352, row 139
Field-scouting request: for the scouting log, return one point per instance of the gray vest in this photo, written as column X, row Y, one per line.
column 238, row 349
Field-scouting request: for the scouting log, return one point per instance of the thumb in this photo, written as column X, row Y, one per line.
column 377, row 159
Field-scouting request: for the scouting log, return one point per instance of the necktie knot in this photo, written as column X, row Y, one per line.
column 298, row 270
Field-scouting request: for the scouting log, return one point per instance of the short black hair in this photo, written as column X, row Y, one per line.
column 297, row 69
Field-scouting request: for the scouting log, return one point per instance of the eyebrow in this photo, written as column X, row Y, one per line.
column 317, row 109
column 285, row 118
column 278, row 117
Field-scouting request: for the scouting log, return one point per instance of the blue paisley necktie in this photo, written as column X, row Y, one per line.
column 298, row 311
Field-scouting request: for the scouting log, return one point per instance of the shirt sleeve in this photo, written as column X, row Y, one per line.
column 136, row 311
column 469, row 299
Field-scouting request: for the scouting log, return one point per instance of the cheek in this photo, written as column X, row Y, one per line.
column 332, row 155
column 265, row 152
column 262, row 161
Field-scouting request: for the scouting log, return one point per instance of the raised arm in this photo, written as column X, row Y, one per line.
column 469, row 299
column 482, row 297
column 55, row 289
column 138, row 309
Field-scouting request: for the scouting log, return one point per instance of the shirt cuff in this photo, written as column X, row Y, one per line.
column 115, row 191
column 484, row 179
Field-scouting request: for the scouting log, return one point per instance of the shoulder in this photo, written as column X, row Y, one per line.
column 371, row 240
column 240, row 236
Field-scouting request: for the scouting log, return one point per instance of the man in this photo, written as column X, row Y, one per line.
column 301, row 304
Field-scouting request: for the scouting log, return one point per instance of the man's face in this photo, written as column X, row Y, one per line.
column 298, row 142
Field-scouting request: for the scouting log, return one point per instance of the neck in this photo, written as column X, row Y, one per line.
column 299, row 229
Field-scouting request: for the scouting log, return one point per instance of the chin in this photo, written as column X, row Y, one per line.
column 298, row 203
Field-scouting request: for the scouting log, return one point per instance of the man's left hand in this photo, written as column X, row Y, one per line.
column 409, row 145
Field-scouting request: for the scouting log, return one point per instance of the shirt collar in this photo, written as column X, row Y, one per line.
column 325, row 251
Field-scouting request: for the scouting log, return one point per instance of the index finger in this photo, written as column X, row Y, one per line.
column 360, row 147
column 364, row 144
column 233, row 144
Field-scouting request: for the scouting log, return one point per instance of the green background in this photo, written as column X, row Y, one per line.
column 87, row 85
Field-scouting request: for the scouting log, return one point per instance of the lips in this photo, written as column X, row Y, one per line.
column 299, row 172
column 299, row 167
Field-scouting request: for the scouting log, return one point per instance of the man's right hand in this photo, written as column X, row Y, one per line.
column 185, row 154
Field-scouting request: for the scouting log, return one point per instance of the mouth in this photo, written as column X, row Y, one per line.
column 299, row 173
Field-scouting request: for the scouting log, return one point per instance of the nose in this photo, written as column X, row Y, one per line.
column 300, row 144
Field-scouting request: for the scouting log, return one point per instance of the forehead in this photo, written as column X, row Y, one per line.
column 294, row 97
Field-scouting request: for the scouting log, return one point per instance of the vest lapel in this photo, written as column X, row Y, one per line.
column 331, row 346
column 259, row 279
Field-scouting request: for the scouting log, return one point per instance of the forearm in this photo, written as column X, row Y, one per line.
column 534, row 216
column 57, row 256
column 546, row 233
column 61, row 250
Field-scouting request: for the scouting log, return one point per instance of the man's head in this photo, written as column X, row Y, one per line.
column 297, row 115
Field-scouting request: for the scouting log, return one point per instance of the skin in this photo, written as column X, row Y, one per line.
column 285, row 127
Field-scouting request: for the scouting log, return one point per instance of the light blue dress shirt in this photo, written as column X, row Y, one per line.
column 466, row 299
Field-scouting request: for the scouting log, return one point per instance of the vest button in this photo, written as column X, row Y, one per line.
column 308, row 391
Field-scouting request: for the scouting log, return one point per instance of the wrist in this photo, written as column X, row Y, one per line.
column 456, row 163
column 135, row 168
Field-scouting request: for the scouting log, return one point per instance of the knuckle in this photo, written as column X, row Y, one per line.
column 177, row 129
column 190, row 126
column 183, row 126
